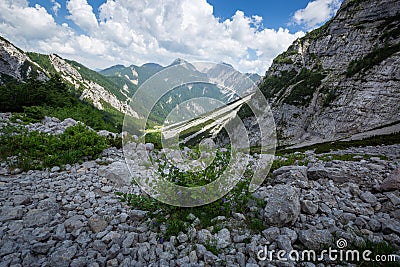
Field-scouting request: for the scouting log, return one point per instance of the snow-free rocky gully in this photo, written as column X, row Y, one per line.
column 72, row 217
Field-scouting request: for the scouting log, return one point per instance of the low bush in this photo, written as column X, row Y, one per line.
column 178, row 218
column 371, row 59
column 35, row 99
column 36, row 150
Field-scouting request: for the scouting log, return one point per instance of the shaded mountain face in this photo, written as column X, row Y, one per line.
column 138, row 75
column 341, row 79
column 132, row 74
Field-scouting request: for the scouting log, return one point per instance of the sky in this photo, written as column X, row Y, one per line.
column 247, row 34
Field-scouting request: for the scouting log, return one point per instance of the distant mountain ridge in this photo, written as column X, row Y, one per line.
column 133, row 74
column 109, row 89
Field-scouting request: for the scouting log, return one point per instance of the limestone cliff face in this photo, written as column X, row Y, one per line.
column 16, row 65
column 341, row 79
column 91, row 91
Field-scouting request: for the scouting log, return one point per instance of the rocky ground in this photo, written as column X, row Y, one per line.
column 71, row 216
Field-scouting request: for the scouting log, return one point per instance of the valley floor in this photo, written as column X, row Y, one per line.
column 72, row 217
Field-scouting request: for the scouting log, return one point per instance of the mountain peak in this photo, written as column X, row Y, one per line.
column 178, row 61
column 226, row 64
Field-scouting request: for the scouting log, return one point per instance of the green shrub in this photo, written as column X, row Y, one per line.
column 307, row 82
column 211, row 245
column 154, row 138
column 174, row 227
column 176, row 218
column 199, row 178
column 256, row 225
column 371, row 59
column 283, row 59
column 272, row 84
column 33, row 113
column 36, row 99
column 317, row 33
column 35, row 150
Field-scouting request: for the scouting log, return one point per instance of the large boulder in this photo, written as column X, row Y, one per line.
column 315, row 239
column 338, row 175
column 223, row 238
column 117, row 173
column 283, row 205
column 392, row 182
column 296, row 175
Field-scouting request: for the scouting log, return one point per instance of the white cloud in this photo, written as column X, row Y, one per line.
column 56, row 7
column 316, row 12
column 82, row 15
column 141, row 31
column 161, row 30
column 33, row 23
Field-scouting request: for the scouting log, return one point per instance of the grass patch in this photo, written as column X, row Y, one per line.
column 350, row 157
column 286, row 159
column 389, row 139
column 371, row 59
column 211, row 245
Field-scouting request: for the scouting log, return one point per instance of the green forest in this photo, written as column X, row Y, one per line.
column 34, row 99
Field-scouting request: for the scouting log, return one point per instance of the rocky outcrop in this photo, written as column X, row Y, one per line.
column 392, row 182
column 16, row 65
column 91, row 90
column 341, row 79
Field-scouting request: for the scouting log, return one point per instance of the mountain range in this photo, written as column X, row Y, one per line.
column 338, row 82
column 109, row 89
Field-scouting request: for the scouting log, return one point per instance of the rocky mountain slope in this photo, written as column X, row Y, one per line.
column 93, row 87
column 16, row 65
column 341, row 79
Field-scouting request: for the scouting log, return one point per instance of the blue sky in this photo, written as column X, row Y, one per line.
column 247, row 34
column 276, row 14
